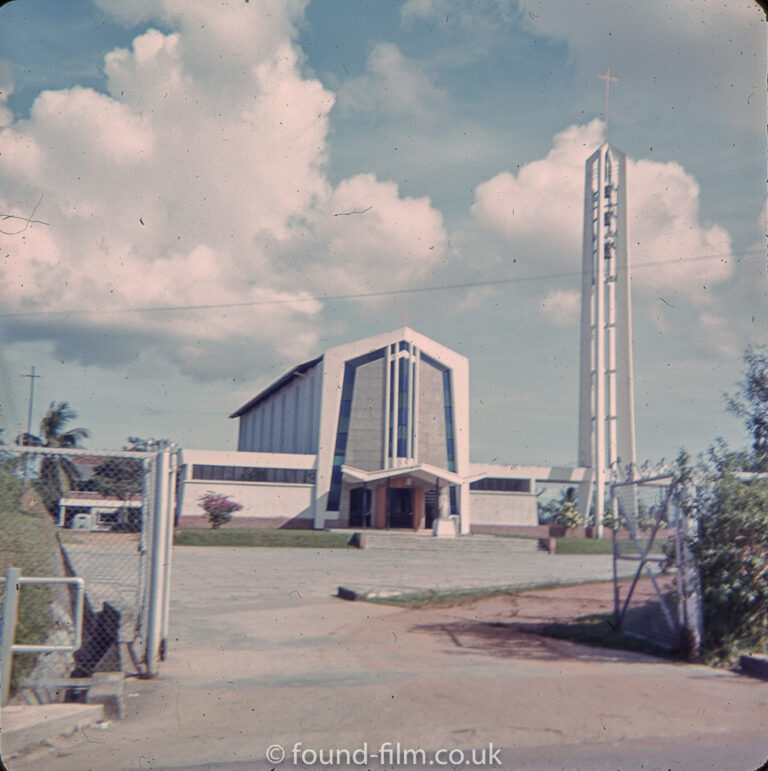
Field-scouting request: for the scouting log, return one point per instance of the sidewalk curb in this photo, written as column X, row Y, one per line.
column 27, row 725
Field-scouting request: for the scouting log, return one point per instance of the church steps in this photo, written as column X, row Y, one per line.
column 405, row 540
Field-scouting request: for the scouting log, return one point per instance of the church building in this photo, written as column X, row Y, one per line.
column 370, row 434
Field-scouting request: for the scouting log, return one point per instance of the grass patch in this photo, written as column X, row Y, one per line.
column 458, row 597
column 589, row 545
column 599, row 630
column 301, row 539
column 600, row 546
column 28, row 542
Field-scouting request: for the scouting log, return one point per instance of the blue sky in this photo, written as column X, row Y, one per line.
column 194, row 153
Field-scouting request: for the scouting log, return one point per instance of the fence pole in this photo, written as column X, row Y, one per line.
column 8, row 630
column 615, row 552
column 157, row 562
column 168, row 520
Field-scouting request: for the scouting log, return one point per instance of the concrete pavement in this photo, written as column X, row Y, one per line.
column 261, row 653
column 24, row 725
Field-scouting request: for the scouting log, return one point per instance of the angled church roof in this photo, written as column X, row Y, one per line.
column 299, row 369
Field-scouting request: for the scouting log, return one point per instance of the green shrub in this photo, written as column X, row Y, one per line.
column 731, row 549
column 28, row 542
column 729, row 544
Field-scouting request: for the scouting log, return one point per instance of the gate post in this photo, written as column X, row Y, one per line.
column 8, row 630
column 168, row 523
column 158, row 562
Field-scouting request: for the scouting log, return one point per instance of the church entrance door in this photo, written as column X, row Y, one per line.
column 401, row 507
column 360, row 507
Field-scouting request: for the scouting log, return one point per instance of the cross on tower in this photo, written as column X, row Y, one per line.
column 608, row 78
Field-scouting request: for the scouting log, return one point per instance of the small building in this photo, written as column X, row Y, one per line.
column 86, row 510
column 373, row 433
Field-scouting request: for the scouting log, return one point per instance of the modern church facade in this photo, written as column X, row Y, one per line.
column 373, row 433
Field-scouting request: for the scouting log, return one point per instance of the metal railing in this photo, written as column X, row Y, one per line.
column 106, row 519
column 13, row 582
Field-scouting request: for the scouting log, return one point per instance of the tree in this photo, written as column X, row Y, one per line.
column 750, row 403
column 139, row 444
column 730, row 547
column 121, row 478
column 58, row 473
column 726, row 496
column 124, row 478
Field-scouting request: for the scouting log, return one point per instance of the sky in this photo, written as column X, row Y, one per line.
column 195, row 196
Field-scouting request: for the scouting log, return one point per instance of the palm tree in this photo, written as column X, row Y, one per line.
column 53, row 422
column 58, row 473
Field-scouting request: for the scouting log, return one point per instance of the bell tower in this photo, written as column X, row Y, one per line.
column 606, row 393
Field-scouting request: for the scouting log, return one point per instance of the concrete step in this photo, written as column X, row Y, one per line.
column 27, row 725
column 404, row 540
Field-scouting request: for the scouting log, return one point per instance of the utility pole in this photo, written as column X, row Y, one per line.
column 32, row 377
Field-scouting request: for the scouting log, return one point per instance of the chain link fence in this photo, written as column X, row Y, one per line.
column 94, row 516
column 670, row 616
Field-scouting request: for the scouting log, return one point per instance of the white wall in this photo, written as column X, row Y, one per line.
column 500, row 508
column 259, row 499
column 237, row 458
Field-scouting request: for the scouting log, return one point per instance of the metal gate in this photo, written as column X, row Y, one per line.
column 106, row 519
column 671, row 616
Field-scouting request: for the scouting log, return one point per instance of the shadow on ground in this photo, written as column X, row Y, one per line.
column 531, row 626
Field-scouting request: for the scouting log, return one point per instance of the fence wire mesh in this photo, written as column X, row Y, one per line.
column 85, row 514
column 666, row 608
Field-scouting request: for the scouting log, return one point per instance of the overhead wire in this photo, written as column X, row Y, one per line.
column 358, row 295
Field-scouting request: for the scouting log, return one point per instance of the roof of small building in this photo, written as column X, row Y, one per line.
column 79, row 496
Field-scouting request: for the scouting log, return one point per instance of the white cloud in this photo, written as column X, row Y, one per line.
column 666, row 234
column 539, row 213
column 718, row 336
column 540, row 209
column 562, row 307
column 198, row 179
column 392, row 241
column 392, row 85
column 424, row 9
column 370, row 238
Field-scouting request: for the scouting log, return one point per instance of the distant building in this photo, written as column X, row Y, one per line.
column 373, row 433
column 85, row 510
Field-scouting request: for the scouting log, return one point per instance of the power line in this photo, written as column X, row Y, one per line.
column 357, row 295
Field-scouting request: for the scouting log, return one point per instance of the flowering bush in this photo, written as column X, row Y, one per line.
column 218, row 508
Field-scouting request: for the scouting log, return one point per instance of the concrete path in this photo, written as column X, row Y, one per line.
column 477, row 562
column 262, row 654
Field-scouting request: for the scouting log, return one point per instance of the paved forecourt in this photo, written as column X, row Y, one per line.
column 262, row 653
column 472, row 562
